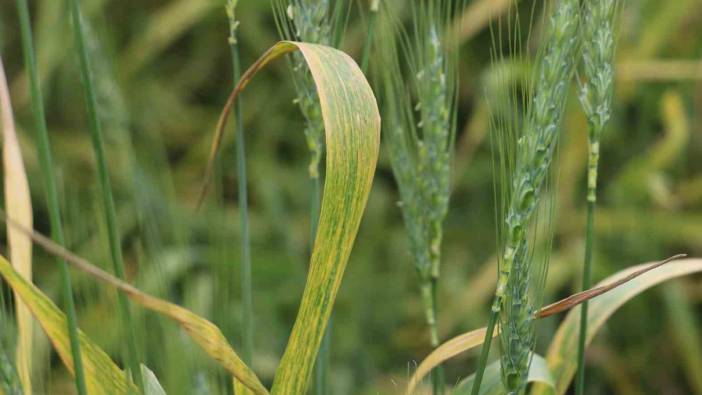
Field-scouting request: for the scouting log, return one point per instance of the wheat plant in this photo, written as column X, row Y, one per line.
column 420, row 124
column 596, row 100
column 520, row 275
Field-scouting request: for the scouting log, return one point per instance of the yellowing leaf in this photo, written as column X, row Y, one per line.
column 563, row 350
column 101, row 373
column 352, row 132
column 446, row 351
column 18, row 205
column 202, row 331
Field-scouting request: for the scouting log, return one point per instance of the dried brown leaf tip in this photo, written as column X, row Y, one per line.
column 580, row 297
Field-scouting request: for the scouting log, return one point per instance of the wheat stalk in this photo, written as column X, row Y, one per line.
column 520, row 276
column 596, row 100
column 419, row 116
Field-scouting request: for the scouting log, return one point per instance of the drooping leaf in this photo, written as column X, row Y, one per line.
column 18, row 205
column 352, row 132
column 563, row 350
column 492, row 382
column 446, row 351
column 103, row 376
column 206, row 334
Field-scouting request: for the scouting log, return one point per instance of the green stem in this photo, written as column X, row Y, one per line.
column 368, row 44
column 485, row 350
column 49, row 181
column 587, row 266
column 246, row 287
column 437, row 375
column 322, row 363
column 105, row 187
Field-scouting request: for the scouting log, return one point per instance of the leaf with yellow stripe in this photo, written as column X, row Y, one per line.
column 18, row 205
column 352, row 134
column 103, row 376
column 202, row 331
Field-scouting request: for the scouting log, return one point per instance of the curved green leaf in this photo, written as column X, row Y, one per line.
column 102, row 374
column 352, row 132
column 562, row 353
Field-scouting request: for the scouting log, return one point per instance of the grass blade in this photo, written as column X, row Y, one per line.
column 352, row 131
column 49, row 180
column 562, row 353
column 102, row 374
column 446, row 351
column 18, row 203
column 247, row 316
column 105, row 187
column 202, row 331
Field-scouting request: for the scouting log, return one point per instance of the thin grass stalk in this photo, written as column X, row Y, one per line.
column 370, row 34
column 596, row 101
column 521, row 276
column 50, row 190
column 242, row 180
column 105, row 187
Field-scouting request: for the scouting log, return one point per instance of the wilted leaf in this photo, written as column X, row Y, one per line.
column 206, row 334
column 102, row 375
column 18, row 205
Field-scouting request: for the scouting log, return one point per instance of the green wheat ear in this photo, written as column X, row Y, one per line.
column 525, row 124
column 316, row 22
column 418, row 79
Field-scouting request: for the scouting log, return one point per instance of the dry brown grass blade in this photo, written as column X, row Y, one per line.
column 446, row 351
column 18, row 203
column 580, row 297
column 202, row 331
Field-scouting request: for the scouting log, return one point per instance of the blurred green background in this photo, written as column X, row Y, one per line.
column 163, row 73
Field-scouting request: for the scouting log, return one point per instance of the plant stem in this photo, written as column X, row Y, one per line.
column 437, row 376
column 367, row 46
column 50, row 190
column 105, row 187
column 485, row 350
column 322, row 363
column 246, row 287
column 593, row 160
